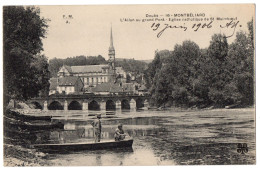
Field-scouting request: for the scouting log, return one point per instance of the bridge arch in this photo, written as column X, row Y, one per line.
column 36, row 105
column 139, row 103
column 110, row 105
column 74, row 105
column 93, row 105
column 55, row 105
column 125, row 104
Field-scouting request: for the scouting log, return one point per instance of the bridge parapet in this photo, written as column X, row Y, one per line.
column 86, row 102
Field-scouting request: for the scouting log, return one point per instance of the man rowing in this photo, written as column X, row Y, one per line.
column 119, row 133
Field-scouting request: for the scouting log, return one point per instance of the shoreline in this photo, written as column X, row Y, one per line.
column 88, row 115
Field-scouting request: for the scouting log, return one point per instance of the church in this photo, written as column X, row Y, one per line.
column 91, row 75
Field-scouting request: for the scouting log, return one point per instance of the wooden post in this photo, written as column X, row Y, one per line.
column 118, row 105
column 45, row 105
column 65, row 105
column 103, row 106
column 132, row 104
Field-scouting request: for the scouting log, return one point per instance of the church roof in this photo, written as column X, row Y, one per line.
column 68, row 68
column 68, row 81
column 88, row 68
column 107, row 87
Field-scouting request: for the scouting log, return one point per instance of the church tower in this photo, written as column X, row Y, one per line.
column 111, row 53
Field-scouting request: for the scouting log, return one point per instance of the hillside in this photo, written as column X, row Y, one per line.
column 129, row 65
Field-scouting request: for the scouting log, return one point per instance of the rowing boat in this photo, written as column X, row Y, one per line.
column 65, row 147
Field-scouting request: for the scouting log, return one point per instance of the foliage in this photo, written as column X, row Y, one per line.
column 219, row 75
column 241, row 63
column 150, row 72
column 131, row 65
column 56, row 63
column 25, row 69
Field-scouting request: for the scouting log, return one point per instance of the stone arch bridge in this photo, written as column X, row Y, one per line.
column 90, row 102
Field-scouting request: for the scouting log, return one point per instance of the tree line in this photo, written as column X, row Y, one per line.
column 132, row 65
column 128, row 65
column 56, row 63
column 220, row 75
column 26, row 73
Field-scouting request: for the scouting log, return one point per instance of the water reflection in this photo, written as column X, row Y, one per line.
column 162, row 138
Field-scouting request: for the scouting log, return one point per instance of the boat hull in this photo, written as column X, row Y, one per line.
column 66, row 147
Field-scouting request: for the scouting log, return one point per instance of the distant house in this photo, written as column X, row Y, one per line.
column 66, row 85
column 107, row 88
column 121, row 74
column 142, row 90
column 128, row 87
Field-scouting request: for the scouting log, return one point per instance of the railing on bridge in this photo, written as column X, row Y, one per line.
column 91, row 102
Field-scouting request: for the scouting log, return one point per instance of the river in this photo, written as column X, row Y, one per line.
column 208, row 137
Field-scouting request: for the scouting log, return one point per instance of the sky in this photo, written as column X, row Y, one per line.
column 88, row 33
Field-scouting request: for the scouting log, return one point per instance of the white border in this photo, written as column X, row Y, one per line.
column 99, row 2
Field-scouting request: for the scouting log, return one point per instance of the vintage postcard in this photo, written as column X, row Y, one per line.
column 119, row 85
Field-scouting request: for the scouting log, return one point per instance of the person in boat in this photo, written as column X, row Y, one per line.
column 119, row 134
column 97, row 128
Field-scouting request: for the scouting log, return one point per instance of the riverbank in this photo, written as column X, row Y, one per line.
column 87, row 115
column 166, row 137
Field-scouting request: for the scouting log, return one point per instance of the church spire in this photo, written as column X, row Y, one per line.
column 111, row 38
column 111, row 52
column 111, row 47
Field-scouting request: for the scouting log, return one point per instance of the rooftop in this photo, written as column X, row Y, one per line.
column 88, row 68
column 107, row 87
column 67, row 81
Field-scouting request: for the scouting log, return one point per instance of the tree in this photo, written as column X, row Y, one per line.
column 150, row 72
column 176, row 78
column 42, row 74
column 250, row 26
column 241, row 64
column 161, row 90
column 216, row 72
column 25, row 70
column 221, row 74
column 218, row 47
column 131, row 65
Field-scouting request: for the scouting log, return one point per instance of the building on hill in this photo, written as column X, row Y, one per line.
column 111, row 88
column 66, row 85
column 107, row 88
column 93, row 75
column 70, row 85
